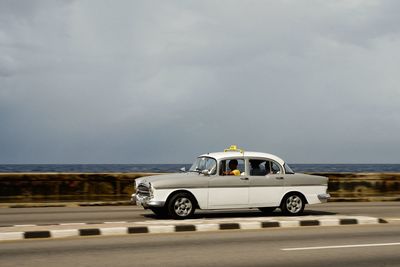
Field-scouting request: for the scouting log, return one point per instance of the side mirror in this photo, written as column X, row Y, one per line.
column 183, row 169
column 205, row 172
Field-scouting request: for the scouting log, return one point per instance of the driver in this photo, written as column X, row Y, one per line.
column 233, row 168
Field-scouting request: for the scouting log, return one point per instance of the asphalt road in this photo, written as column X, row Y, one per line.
column 354, row 246
column 11, row 216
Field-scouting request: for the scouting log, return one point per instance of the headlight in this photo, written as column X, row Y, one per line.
column 137, row 182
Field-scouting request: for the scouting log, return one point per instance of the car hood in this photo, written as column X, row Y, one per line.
column 175, row 180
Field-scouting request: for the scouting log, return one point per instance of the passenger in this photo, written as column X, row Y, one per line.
column 233, row 168
column 255, row 168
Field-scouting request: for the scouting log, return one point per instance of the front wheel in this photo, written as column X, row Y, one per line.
column 293, row 204
column 181, row 206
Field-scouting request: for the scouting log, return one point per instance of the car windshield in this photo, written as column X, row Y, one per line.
column 204, row 163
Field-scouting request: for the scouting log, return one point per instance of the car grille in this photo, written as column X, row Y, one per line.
column 143, row 190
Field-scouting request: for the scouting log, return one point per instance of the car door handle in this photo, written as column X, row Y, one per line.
column 244, row 178
column 279, row 178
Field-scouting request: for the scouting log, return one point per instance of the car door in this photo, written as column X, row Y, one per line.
column 266, row 188
column 228, row 191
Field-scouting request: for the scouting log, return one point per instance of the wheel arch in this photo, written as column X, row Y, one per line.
column 182, row 191
column 294, row 192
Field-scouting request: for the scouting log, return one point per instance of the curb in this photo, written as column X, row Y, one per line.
column 157, row 229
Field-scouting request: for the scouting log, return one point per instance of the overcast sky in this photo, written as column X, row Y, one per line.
column 312, row 81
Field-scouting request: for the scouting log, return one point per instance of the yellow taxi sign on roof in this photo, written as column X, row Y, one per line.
column 233, row 148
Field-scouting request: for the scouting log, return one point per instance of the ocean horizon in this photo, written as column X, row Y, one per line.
column 168, row 168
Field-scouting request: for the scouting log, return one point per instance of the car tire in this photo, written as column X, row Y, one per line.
column 267, row 209
column 293, row 204
column 160, row 212
column 181, row 206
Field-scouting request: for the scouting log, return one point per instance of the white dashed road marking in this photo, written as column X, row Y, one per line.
column 343, row 246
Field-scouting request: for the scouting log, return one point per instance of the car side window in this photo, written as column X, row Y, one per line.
column 275, row 168
column 257, row 167
column 263, row 167
column 227, row 168
column 211, row 165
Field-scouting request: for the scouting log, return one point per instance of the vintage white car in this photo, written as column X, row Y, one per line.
column 233, row 179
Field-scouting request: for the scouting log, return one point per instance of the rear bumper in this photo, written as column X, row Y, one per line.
column 324, row 197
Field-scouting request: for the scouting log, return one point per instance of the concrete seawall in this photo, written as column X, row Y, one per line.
column 55, row 187
column 363, row 186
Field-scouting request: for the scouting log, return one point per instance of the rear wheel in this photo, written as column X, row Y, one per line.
column 293, row 204
column 181, row 206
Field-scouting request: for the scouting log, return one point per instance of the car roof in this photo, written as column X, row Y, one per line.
column 246, row 154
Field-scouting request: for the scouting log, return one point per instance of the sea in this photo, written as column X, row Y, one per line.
column 169, row 168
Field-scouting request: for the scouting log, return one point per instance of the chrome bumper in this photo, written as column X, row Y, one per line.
column 324, row 197
column 146, row 202
column 133, row 199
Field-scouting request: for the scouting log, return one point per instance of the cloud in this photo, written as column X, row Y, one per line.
column 7, row 66
column 102, row 82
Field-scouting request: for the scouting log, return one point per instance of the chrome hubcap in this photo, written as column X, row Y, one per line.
column 183, row 206
column 294, row 204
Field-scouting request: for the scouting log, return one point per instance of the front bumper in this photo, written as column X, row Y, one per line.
column 146, row 202
column 324, row 197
